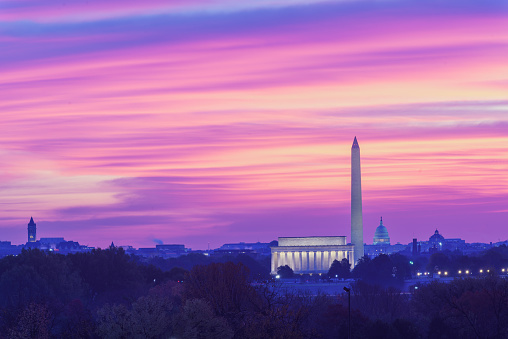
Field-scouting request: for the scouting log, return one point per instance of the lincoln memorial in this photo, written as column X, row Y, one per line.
column 310, row 254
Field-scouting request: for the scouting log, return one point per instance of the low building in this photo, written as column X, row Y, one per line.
column 163, row 250
column 375, row 250
column 68, row 247
column 50, row 243
column 438, row 242
column 6, row 248
column 245, row 247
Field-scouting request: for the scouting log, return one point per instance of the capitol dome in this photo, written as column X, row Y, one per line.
column 436, row 237
column 381, row 236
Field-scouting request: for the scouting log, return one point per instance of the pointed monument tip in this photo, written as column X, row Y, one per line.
column 355, row 143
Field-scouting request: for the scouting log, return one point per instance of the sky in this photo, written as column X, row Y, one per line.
column 204, row 122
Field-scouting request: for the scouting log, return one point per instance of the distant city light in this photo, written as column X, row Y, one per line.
column 460, row 272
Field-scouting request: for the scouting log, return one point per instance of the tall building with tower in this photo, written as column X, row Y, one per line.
column 356, row 203
column 32, row 228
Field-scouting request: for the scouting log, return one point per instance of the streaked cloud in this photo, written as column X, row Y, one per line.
column 194, row 120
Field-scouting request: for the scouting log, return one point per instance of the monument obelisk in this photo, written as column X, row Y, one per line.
column 356, row 203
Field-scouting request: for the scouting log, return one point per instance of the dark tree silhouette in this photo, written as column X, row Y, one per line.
column 225, row 287
column 340, row 269
column 471, row 308
column 285, row 272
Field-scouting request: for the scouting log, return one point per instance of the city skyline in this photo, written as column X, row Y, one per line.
column 199, row 122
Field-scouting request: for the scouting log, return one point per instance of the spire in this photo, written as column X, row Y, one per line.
column 381, row 223
column 355, row 143
column 32, row 230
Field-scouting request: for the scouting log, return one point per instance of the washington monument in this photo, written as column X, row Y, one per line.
column 356, row 203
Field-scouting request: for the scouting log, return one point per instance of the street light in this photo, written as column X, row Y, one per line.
column 348, row 290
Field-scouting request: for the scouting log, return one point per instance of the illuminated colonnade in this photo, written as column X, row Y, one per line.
column 310, row 254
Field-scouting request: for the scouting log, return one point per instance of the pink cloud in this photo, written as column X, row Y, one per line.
column 237, row 124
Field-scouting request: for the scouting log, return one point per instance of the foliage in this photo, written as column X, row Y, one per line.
column 36, row 276
column 259, row 268
column 150, row 316
column 285, row 272
column 199, row 322
column 376, row 302
column 273, row 243
column 177, row 274
column 113, row 321
column 472, row 307
column 383, row 270
column 68, row 288
column 378, row 270
column 224, row 286
column 33, row 322
column 340, row 269
column 108, row 294
column 112, row 275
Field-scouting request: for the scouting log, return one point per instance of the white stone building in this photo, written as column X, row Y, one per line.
column 310, row 254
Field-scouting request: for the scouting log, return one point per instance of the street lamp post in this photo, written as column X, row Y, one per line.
column 348, row 290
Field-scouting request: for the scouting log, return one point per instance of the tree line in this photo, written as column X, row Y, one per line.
column 109, row 294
